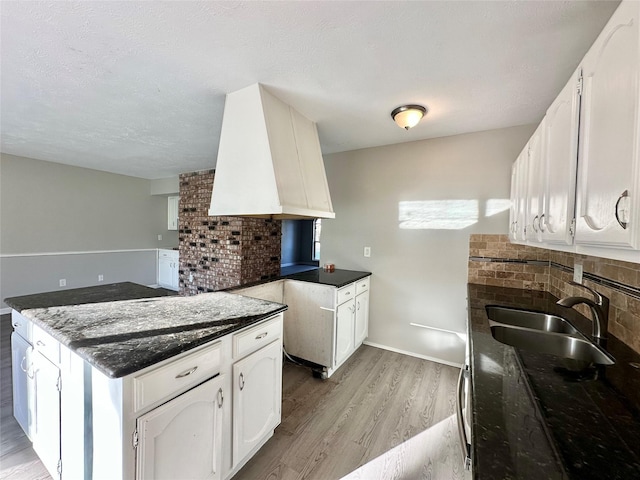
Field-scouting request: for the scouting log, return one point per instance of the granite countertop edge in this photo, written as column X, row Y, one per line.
column 317, row 275
column 120, row 335
column 117, row 372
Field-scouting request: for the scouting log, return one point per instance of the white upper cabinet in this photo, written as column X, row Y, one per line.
column 581, row 167
column 560, row 161
column 609, row 171
column 535, row 178
column 172, row 212
column 519, row 196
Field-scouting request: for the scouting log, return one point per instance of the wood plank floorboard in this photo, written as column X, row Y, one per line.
column 382, row 415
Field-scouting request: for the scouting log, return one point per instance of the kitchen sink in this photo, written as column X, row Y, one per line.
column 560, row 345
column 527, row 319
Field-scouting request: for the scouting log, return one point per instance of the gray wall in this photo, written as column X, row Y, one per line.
column 69, row 214
column 419, row 273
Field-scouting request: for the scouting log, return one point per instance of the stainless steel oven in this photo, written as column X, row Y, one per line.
column 463, row 406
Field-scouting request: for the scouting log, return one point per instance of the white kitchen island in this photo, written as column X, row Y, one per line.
column 167, row 387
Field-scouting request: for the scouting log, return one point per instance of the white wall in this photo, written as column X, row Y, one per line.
column 419, row 273
column 54, row 218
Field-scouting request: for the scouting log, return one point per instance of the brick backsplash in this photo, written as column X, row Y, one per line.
column 221, row 252
column 514, row 273
column 541, row 269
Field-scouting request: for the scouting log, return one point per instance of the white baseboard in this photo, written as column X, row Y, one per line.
column 412, row 354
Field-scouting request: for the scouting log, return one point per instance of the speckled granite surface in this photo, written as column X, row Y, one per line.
column 122, row 337
column 75, row 296
column 534, row 416
column 338, row 278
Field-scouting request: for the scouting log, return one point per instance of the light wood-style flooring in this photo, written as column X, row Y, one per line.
column 382, row 415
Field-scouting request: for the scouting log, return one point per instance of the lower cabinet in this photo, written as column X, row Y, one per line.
column 45, row 431
column 183, row 437
column 345, row 328
column 324, row 324
column 168, row 267
column 362, row 317
column 21, row 353
column 257, row 399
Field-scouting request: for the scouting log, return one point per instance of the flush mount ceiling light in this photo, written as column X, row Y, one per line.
column 408, row 116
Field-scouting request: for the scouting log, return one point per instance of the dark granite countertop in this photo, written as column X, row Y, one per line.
column 535, row 416
column 122, row 337
column 337, row 278
column 97, row 294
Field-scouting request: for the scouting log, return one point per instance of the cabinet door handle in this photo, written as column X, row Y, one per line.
column 241, row 381
column 541, row 223
column 533, row 224
column 358, row 304
column 220, row 398
column 16, row 325
column 40, row 343
column 186, row 373
column 624, row 194
column 22, row 367
column 262, row 335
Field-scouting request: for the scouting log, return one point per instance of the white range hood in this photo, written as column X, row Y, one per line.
column 269, row 161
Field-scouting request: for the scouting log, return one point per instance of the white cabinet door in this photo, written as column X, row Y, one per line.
column 165, row 272
column 183, row 437
column 168, row 269
column 513, row 210
column 172, row 213
column 560, row 162
column 257, row 398
column 519, row 196
column 345, row 320
column 21, row 352
column 609, row 171
column 535, row 189
column 362, row 317
column 46, row 423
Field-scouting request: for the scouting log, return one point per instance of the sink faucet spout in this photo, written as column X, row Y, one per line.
column 599, row 308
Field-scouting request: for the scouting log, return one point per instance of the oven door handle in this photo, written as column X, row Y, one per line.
column 466, row 447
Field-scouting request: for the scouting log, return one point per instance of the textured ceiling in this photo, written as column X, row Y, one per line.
column 138, row 87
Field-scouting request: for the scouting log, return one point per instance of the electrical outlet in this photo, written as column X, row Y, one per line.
column 63, row 282
column 367, row 251
column 101, row 278
column 577, row 272
column 159, row 237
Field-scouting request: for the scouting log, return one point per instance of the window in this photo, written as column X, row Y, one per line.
column 317, row 227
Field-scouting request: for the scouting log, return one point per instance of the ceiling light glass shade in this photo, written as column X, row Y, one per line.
column 408, row 116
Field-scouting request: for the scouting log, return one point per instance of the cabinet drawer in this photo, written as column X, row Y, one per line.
column 170, row 254
column 177, row 376
column 362, row 285
column 346, row 293
column 48, row 346
column 21, row 325
column 256, row 337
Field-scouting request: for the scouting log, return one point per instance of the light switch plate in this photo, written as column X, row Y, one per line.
column 577, row 272
column 367, row 251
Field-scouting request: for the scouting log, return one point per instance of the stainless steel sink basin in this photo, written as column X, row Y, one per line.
column 557, row 344
column 524, row 318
